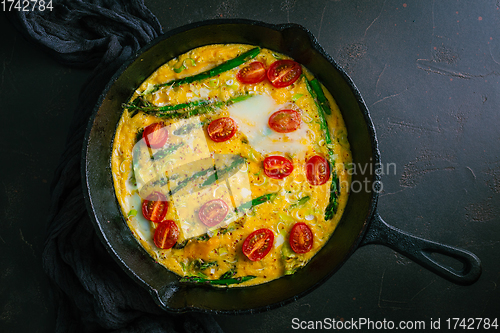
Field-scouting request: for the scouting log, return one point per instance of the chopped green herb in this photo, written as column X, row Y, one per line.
column 202, row 265
column 212, row 83
column 183, row 65
column 138, row 136
column 292, row 260
column 296, row 97
column 301, row 202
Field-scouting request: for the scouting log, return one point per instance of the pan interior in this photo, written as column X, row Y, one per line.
column 292, row 40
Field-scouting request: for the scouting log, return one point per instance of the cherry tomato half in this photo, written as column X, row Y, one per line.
column 317, row 170
column 283, row 73
column 258, row 244
column 213, row 212
column 252, row 73
column 277, row 167
column 221, row 129
column 166, row 234
column 284, row 121
column 301, row 238
column 155, row 207
column 155, row 135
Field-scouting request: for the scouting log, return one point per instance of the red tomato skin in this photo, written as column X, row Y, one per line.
column 254, row 72
column 284, row 121
column 155, row 135
column 224, row 125
column 261, row 238
column 283, row 73
column 301, row 238
column 155, row 207
column 204, row 212
column 277, row 167
column 166, row 234
column 317, row 170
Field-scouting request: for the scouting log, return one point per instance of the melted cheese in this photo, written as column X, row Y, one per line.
column 252, row 118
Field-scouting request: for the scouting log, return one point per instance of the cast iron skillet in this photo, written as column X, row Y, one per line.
column 360, row 224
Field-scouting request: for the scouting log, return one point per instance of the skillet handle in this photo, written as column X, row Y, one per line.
column 420, row 250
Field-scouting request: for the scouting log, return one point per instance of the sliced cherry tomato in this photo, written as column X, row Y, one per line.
column 258, row 244
column 301, row 238
column 284, row 121
column 155, row 135
column 166, row 234
column 221, row 129
column 155, row 207
column 277, row 167
column 283, row 73
column 213, row 212
column 317, row 170
column 252, row 73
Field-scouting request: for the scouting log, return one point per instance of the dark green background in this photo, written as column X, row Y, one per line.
column 429, row 73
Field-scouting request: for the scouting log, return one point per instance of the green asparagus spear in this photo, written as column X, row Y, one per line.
column 166, row 151
column 224, row 67
column 331, row 209
column 322, row 100
column 315, row 90
column 186, row 110
column 237, row 162
column 153, row 108
column 227, row 281
column 135, row 105
column 183, row 244
column 257, row 201
column 323, row 123
column 186, row 181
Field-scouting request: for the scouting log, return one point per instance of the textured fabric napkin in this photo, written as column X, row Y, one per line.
column 92, row 293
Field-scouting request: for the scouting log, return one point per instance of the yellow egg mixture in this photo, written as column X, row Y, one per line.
column 191, row 169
